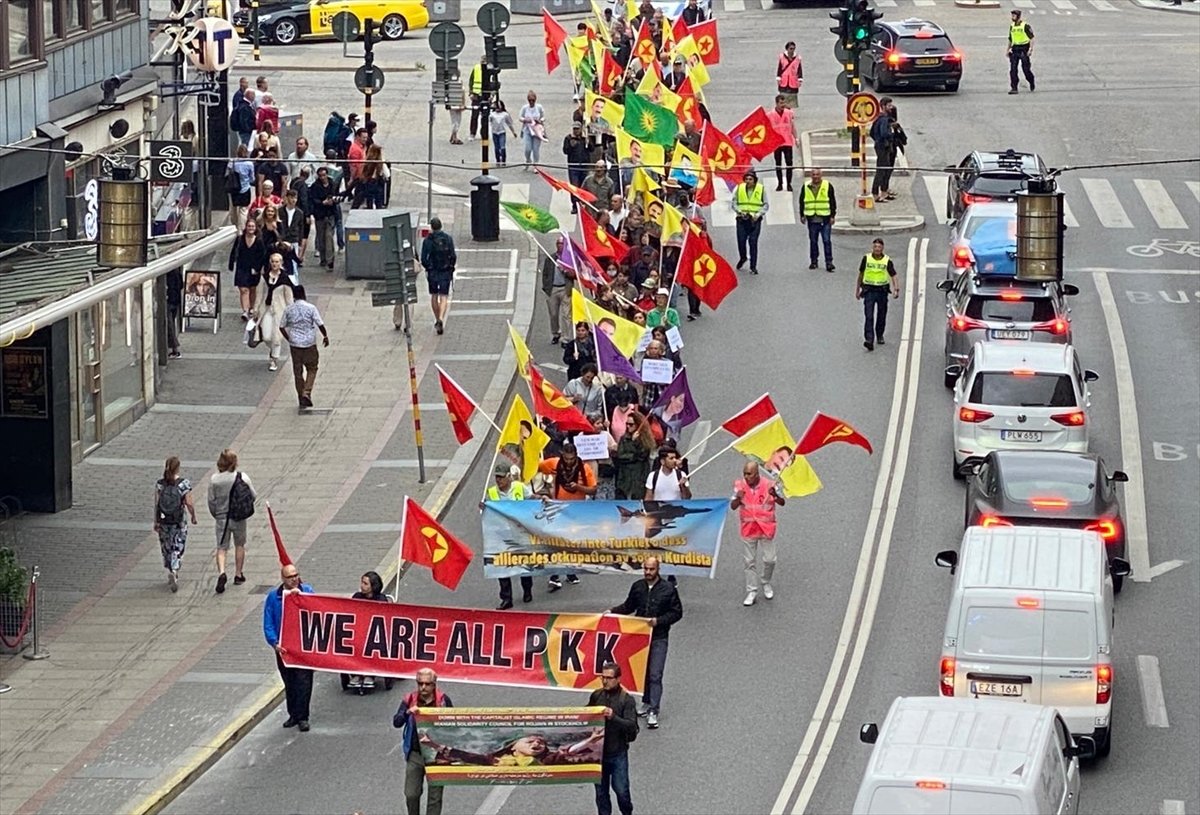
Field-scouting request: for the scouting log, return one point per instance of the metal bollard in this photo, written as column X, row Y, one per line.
column 37, row 652
column 5, row 688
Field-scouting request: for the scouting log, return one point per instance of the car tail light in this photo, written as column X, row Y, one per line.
column 988, row 521
column 1049, row 503
column 961, row 323
column 946, row 686
column 1029, row 602
column 1104, row 677
column 954, row 56
column 931, row 785
column 1109, row 528
column 974, row 198
column 1056, row 326
column 963, row 257
column 966, row 414
column 1011, row 295
column 1076, row 418
column 1023, row 372
column 893, row 58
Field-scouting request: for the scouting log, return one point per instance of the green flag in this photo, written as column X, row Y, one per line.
column 527, row 216
column 649, row 122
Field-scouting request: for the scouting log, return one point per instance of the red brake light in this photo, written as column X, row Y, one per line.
column 988, row 521
column 961, row 323
column 1076, row 418
column 966, row 414
column 1109, row 529
column 1104, row 677
column 1028, row 602
column 1056, row 326
column 931, row 785
column 963, row 257
column 1049, row 503
column 946, row 686
column 1022, row 372
column 924, row 34
column 1010, row 295
column 954, row 56
column 975, row 198
column 894, row 58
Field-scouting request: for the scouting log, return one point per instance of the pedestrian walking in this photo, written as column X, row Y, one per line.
column 174, row 284
column 241, row 173
column 476, row 87
column 1020, row 49
column 883, row 135
column 693, row 14
column 533, row 129
column 500, row 122
column 231, row 500
column 876, row 275
column 557, row 282
column 297, row 682
column 750, row 204
column 172, row 505
column 295, row 224
column 754, row 499
column 663, row 314
column 668, row 481
column 818, row 209
column 455, row 109
column 426, row 695
column 439, row 258
column 620, row 728
column 789, row 74
column 784, row 122
column 242, row 118
column 580, row 351
column 587, row 394
column 631, row 454
column 573, row 480
column 507, row 488
column 274, row 296
column 247, row 258
column 658, row 601
column 324, row 208
column 299, row 327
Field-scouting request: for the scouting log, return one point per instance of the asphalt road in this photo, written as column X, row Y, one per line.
column 752, row 707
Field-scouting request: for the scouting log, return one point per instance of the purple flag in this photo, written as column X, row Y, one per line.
column 611, row 361
column 675, row 405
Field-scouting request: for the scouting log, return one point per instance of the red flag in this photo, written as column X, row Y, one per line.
column 823, row 430
column 284, row 558
column 597, row 241
column 707, row 43
column 549, row 403
column 555, row 35
column 679, row 30
column 751, row 416
column 427, row 543
column 702, row 269
column 724, row 155
column 705, row 194
column 643, row 47
column 578, row 192
column 610, row 72
column 756, row 135
column 459, row 405
column 689, row 106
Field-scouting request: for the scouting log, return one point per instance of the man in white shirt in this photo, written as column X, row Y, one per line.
column 303, row 157
column 300, row 324
column 667, row 482
column 617, row 212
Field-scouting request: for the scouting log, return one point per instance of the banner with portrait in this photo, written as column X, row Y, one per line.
column 202, row 295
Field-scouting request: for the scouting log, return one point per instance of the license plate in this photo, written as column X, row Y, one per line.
column 996, row 688
column 1009, row 334
column 1021, row 435
column 928, row 61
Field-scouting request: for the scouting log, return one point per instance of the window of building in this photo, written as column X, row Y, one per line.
column 121, row 352
column 22, row 38
column 51, row 25
column 101, row 12
column 72, row 11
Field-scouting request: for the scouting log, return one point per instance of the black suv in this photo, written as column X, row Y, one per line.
column 911, row 54
column 988, row 176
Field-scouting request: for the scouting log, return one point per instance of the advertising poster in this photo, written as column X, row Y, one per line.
column 201, row 295
column 511, row 745
column 23, row 383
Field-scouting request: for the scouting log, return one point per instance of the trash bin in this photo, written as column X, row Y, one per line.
column 365, row 252
column 441, row 11
column 485, row 208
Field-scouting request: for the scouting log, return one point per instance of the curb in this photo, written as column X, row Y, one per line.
column 1189, row 7
column 977, row 3
column 886, row 226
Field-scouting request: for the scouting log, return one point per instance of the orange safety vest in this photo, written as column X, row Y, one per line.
column 757, row 512
column 789, row 73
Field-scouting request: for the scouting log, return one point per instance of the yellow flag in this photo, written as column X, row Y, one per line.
column 521, row 440
column 601, row 28
column 627, row 333
column 577, row 48
column 631, row 151
column 697, row 70
column 772, row 446
column 652, row 88
column 609, row 111
column 631, row 11
column 672, row 225
column 641, row 187
column 524, row 357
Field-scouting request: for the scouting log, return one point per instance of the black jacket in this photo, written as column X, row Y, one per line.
column 661, row 602
column 578, row 152
column 622, row 728
column 175, row 287
column 318, row 194
column 691, row 16
column 295, row 229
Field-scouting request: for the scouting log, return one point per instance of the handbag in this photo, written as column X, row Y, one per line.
column 253, row 333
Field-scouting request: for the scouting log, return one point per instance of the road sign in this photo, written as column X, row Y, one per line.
column 492, row 19
column 862, row 108
column 447, row 40
column 844, row 84
column 369, row 79
column 345, row 26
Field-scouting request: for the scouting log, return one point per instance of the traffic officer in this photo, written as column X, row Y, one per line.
column 507, row 488
column 1020, row 49
column 476, row 89
column 818, row 209
column 789, row 72
column 750, row 203
column 876, row 275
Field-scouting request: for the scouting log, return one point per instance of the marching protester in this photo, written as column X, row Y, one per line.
column 658, row 601
column 370, row 587
column 507, row 488
column 587, row 394
column 231, row 500
column 876, row 276
column 620, row 728
column 573, row 480
column 784, row 123
column 297, row 682
column 426, row 695
column 754, row 499
column 172, row 501
column 789, row 73
column 580, row 351
column 750, row 204
column 631, row 457
column 557, row 282
column 668, row 482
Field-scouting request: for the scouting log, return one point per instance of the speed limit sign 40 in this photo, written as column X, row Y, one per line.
column 862, row 108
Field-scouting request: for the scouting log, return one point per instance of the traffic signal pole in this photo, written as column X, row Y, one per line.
column 369, row 64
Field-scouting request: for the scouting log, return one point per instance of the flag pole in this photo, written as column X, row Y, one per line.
column 729, row 446
column 721, row 426
column 401, row 569
column 473, row 402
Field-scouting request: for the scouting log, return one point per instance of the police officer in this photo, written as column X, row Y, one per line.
column 876, row 274
column 507, row 488
column 749, row 202
column 476, row 89
column 1020, row 49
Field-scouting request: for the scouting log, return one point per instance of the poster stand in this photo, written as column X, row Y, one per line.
column 202, row 298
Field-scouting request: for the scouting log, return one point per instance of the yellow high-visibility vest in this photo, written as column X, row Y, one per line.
column 1017, row 34
column 875, row 273
column 819, row 204
column 477, row 80
column 749, row 201
column 517, row 489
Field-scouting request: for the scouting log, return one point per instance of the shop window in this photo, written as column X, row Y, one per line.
column 121, row 352
column 73, row 18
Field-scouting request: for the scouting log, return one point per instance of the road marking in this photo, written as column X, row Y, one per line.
column 721, row 213
column 1194, row 186
column 1170, row 806
column 517, row 194
column 1065, row 5
column 783, row 208
column 924, row 2
column 1131, row 453
column 1104, row 200
column 1023, row 4
column 703, row 428
column 735, row 5
column 938, row 186
column 1161, row 207
column 1112, row 270
column 1154, row 704
column 1103, row 5
column 868, row 576
column 236, row 410
column 495, row 800
column 1069, row 218
column 441, row 189
column 886, row 4
column 1164, row 567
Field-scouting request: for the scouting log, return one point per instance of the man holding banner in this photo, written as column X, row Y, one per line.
column 297, row 682
column 506, row 489
column 426, row 695
column 656, row 599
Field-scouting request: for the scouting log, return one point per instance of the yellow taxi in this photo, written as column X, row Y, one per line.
column 288, row 21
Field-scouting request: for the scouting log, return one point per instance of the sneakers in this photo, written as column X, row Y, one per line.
column 829, row 267
column 175, row 355
column 368, row 682
column 173, row 580
column 880, row 341
column 239, row 579
column 554, row 340
column 505, row 605
column 812, row 265
column 652, row 720
column 643, row 711
column 553, row 585
column 355, row 682
column 768, row 592
column 751, row 596
column 573, row 579
column 439, row 326
column 221, row 579
column 1012, row 92
column 741, row 262
column 753, row 270
column 273, row 366
column 305, row 402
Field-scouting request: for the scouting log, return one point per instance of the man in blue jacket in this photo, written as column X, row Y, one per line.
column 297, row 682
column 426, row 695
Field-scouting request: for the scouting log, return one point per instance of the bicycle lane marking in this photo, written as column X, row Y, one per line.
column 1158, row 247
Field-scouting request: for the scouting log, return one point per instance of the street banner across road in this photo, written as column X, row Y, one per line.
column 493, row 745
column 523, row 649
column 532, row 537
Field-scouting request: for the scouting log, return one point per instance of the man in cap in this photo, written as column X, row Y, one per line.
column 678, row 73
column 750, row 203
column 507, row 488
column 662, row 313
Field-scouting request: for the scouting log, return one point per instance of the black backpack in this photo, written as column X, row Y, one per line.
column 241, row 500
column 441, row 252
column 170, row 505
column 233, row 181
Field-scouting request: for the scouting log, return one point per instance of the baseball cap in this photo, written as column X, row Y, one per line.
column 502, row 469
column 648, row 283
column 663, row 292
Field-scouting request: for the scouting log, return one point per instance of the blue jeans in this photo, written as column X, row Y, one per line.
column 748, row 230
column 875, row 304
column 614, row 772
column 339, row 228
column 533, row 148
column 500, row 142
column 824, row 231
column 655, row 665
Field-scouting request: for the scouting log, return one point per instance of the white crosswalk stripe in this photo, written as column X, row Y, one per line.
column 781, row 212
column 721, row 212
column 1159, row 203
column 1104, row 201
column 937, row 185
column 1064, row 5
column 886, row 4
column 1069, row 218
column 1194, row 186
column 1023, row 4
column 783, row 207
column 1103, row 5
column 735, row 5
column 924, row 2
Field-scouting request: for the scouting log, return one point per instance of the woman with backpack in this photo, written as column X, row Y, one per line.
column 172, row 496
column 231, row 500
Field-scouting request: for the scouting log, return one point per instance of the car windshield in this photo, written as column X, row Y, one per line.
column 1025, row 632
column 1022, row 390
column 925, row 45
column 994, row 308
column 1028, row 486
column 1006, row 224
column 1003, row 184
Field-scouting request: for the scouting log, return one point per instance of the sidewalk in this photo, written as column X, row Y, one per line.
column 143, row 687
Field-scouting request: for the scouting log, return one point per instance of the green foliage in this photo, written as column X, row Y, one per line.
column 14, row 578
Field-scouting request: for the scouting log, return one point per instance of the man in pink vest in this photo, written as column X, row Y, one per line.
column 755, row 499
column 790, row 73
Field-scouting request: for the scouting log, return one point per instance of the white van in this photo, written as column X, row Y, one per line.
column 1030, row 621
column 970, row 756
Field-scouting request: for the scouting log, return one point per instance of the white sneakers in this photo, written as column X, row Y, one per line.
column 751, row 596
column 274, row 366
column 768, row 592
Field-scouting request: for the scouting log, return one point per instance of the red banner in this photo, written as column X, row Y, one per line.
column 523, row 649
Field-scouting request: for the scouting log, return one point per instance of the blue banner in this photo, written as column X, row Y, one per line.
column 613, row 537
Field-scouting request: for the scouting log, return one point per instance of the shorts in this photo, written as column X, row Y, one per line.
column 236, row 533
column 440, row 285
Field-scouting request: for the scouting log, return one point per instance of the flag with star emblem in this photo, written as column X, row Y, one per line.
column 705, row 35
column 650, row 122
column 550, row 403
column 824, row 429
column 755, row 135
column 527, row 216
column 644, row 47
column 772, row 446
column 724, row 155
column 426, row 542
column 555, row 35
column 459, row 405
column 610, row 72
column 703, row 271
column 596, row 240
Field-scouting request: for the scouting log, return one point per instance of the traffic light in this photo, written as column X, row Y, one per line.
column 861, row 24
column 842, row 16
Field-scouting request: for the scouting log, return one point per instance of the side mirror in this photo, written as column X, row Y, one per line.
column 969, row 468
column 946, row 285
column 868, row 733
column 1118, row 477
column 953, row 222
column 1090, row 376
column 947, row 559
column 1068, row 290
column 1120, row 567
column 1085, row 747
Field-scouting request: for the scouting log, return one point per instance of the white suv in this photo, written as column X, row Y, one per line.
column 1019, row 396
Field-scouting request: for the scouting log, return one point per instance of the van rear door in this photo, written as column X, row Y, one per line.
column 1000, row 648
column 1069, row 653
